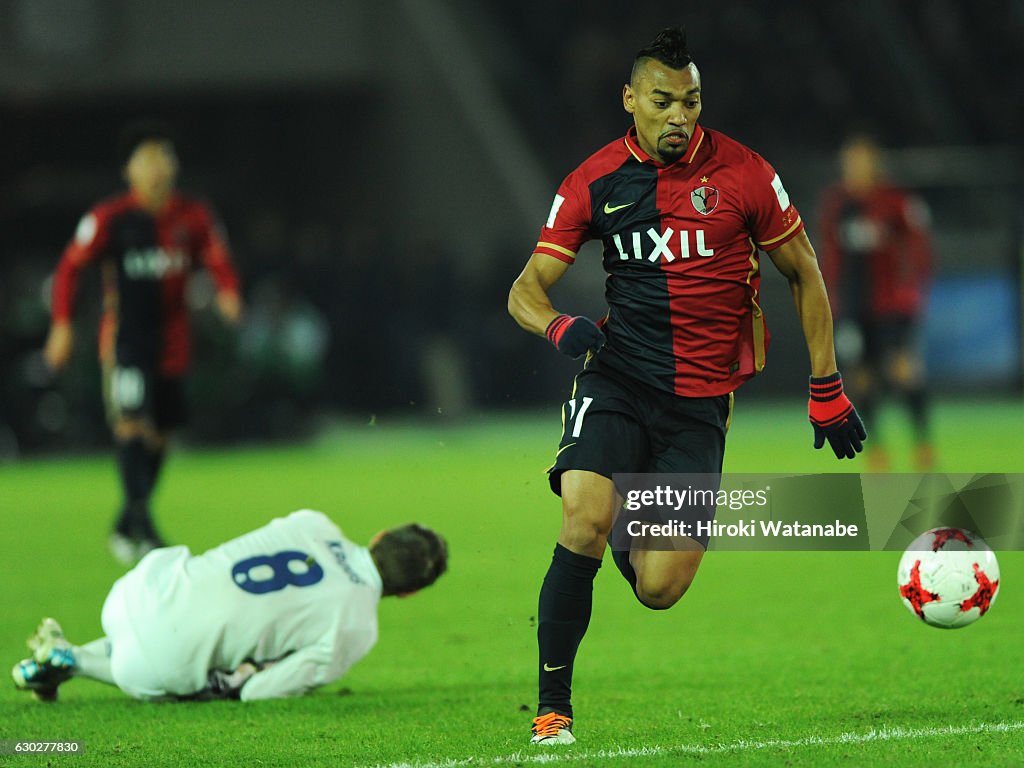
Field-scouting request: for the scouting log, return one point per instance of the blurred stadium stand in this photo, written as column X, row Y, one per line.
column 382, row 170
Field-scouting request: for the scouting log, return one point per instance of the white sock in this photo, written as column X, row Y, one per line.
column 92, row 660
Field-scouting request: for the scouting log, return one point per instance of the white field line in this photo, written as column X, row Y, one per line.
column 559, row 754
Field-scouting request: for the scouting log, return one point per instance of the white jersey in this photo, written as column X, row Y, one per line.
column 295, row 592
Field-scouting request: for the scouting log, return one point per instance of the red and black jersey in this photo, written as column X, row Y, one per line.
column 681, row 252
column 876, row 252
column 146, row 261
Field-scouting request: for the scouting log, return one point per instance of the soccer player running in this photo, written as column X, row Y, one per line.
column 146, row 241
column 681, row 211
column 277, row 612
column 876, row 260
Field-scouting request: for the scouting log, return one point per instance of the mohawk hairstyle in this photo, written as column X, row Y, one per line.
column 669, row 47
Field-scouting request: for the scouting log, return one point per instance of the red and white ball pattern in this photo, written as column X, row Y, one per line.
column 948, row 577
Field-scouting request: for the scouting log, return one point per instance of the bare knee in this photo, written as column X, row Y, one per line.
column 662, row 578
column 862, row 381
column 589, row 502
column 659, row 594
column 585, row 528
column 904, row 371
column 132, row 429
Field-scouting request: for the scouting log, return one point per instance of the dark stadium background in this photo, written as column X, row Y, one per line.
column 383, row 168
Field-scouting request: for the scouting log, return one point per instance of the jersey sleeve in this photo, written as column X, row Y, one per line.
column 773, row 220
column 296, row 674
column 829, row 248
column 89, row 242
column 916, row 220
column 322, row 663
column 568, row 224
column 214, row 253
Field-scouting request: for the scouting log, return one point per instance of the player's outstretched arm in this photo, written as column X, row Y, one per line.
column 798, row 264
column 295, row 674
column 530, row 306
column 61, row 339
column 229, row 305
column 216, row 258
column 831, row 413
column 528, row 301
column 90, row 241
column 59, row 344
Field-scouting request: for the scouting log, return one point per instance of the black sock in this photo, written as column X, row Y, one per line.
column 133, row 465
column 866, row 405
column 917, row 404
column 621, row 558
column 155, row 460
column 566, row 598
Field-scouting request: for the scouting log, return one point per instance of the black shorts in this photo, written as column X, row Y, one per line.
column 873, row 342
column 131, row 392
column 886, row 337
column 613, row 424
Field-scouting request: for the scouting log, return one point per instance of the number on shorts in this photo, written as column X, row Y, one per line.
column 576, row 419
column 128, row 388
column 269, row 573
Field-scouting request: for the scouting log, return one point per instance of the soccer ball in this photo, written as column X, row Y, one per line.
column 948, row 577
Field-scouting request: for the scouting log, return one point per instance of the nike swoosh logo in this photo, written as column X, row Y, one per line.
column 613, row 208
column 555, row 669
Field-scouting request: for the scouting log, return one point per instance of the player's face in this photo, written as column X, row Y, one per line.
column 665, row 104
column 861, row 163
column 152, row 170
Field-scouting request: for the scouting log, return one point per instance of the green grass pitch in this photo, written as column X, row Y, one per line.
column 801, row 659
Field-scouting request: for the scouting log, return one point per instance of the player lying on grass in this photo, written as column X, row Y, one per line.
column 277, row 612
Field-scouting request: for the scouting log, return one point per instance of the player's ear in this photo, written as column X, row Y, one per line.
column 628, row 99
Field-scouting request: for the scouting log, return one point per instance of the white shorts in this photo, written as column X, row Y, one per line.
column 142, row 663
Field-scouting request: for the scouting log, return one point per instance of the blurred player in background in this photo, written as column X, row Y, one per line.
column 681, row 212
column 277, row 612
column 876, row 259
column 147, row 242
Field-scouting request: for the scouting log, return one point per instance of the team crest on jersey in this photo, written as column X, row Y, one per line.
column 704, row 199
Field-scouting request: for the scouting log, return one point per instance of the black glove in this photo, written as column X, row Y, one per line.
column 833, row 417
column 573, row 336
